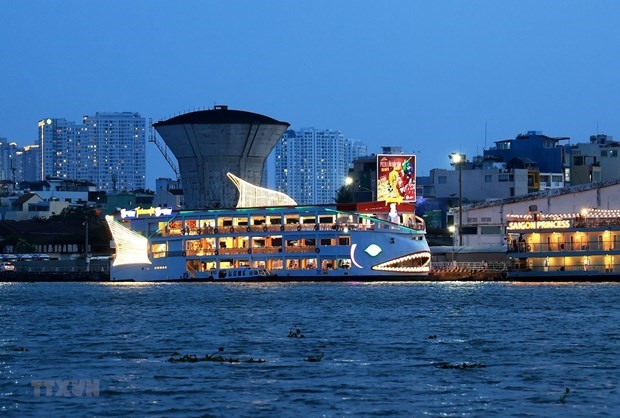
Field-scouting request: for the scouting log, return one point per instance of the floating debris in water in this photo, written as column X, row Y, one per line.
column 315, row 358
column 193, row 358
column 432, row 337
column 20, row 349
column 295, row 332
column 460, row 366
column 563, row 398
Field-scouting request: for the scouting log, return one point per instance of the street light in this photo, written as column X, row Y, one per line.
column 457, row 161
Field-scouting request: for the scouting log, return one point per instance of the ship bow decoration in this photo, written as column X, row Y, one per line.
column 131, row 247
column 251, row 196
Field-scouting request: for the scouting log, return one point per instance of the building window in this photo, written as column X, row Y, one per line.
column 613, row 153
column 503, row 177
column 485, row 220
column 490, row 230
column 470, row 230
column 577, row 161
column 603, row 153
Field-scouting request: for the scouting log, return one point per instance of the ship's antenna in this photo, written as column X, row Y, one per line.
column 485, row 135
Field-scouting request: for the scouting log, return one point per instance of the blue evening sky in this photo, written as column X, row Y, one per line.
column 424, row 75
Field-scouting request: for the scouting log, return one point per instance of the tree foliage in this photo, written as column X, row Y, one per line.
column 344, row 195
column 77, row 213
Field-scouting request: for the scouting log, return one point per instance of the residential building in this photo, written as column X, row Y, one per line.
column 544, row 153
column 168, row 193
column 31, row 205
column 8, row 165
column 595, row 161
column 28, row 164
column 107, row 149
column 312, row 164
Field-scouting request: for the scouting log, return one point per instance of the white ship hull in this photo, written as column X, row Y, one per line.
column 318, row 243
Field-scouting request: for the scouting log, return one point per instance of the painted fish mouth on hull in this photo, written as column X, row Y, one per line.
column 411, row 263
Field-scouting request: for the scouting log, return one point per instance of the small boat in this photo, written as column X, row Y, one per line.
column 243, row 274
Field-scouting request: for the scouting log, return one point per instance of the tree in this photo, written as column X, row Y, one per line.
column 78, row 214
column 344, row 195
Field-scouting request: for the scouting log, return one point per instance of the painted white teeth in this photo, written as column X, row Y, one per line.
column 396, row 264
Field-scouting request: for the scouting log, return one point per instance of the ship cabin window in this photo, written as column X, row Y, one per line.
column 223, row 222
column 292, row 219
column 308, row 220
column 192, row 247
column 159, row 250
column 344, row 240
column 258, row 220
column 275, row 220
column 192, row 265
column 226, row 264
column 174, row 228
column 258, row 242
column 310, row 242
column 344, row 263
column 292, row 263
column 326, row 219
column 162, row 228
column 309, row 263
column 326, row 241
column 292, row 243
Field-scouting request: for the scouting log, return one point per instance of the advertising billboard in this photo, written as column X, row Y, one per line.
column 396, row 178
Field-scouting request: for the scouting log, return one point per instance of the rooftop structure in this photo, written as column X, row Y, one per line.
column 210, row 143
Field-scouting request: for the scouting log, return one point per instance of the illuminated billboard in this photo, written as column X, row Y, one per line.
column 396, row 178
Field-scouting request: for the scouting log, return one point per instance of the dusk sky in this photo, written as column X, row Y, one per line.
column 426, row 76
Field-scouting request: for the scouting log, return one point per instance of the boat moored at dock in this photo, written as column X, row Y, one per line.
column 316, row 243
column 581, row 246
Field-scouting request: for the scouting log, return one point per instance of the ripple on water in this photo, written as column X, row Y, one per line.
column 379, row 345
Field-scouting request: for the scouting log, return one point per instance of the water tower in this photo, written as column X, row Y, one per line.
column 210, row 143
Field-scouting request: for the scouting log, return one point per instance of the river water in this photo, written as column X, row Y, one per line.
column 389, row 349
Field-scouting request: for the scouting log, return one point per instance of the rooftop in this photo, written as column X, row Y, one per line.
column 220, row 115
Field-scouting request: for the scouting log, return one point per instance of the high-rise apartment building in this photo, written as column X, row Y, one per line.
column 55, row 140
column 312, row 164
column 107, row 149
column 115, row 153
column 8, row 165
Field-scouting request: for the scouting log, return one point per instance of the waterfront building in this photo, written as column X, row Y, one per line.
column 484, row 223
column 311, row 165
column 595, row 161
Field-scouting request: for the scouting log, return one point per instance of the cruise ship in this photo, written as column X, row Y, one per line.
column 582, row 246
column 268, row 237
